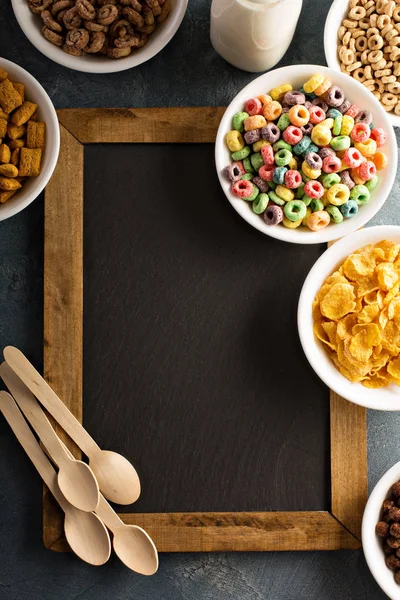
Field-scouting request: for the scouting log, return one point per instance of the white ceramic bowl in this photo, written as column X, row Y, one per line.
column 297, row 75
column 31, row 25
column 34, row 185
column 372, row 544
column 387, row 398
column 337, row 13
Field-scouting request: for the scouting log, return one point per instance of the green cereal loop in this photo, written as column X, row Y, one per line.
column 238, row 120
column 281, row 145
column 247, row 176
column 302, row 145
column 360, row 193
column 334, row 213
column 329, row 180
column 248, row 167
column 372, row 183
column 283, row 121
column 340, row 142
column 257, row 160
column 337, row 124
column 275, row 198
column 254, row 195
column 272, row 185
column 333, row 113
column 306, row 199
column 241, row 154
column 260, row 203
column 295, row 210
column 316, row 204
column 283, row 157
column 300, row 191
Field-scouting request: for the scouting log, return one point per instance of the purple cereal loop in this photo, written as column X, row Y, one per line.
column 261, row 184
column 273, row 215
column 364, row 116
column 313, row 160
column 252, row 136
column 307, row 128
column 232, row 172
column 321, row 103
column 308, row 104
column 324, row 152
column 294, row 97
column 334, row 96
column 285, row 109
column 271, row 133
column 343, row 108
column 345, row 178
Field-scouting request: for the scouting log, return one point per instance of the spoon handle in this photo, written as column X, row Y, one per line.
column 49, row 399
column 31, row 446
column 34, row 414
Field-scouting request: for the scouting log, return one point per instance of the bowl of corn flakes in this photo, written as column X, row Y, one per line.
column 349, row 317
column 29, row 139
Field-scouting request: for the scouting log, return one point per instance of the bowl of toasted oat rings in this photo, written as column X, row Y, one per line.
column 29, row 139
column 99, row 37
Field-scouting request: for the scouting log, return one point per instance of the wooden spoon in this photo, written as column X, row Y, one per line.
column 75, row 479
column 117, row 478
column 85, row 533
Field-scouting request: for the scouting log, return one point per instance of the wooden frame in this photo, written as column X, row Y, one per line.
column 63, row 328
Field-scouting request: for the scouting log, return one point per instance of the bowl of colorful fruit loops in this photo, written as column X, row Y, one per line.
column 303, row 161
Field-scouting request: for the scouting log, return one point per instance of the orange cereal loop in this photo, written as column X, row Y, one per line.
column 356, row 177
column 272, row 111
column 324, row 87
column 312, row 84
column 318, row 220
column 380, row 160
column 264, row 99
column 254, row 122
column 299, row 115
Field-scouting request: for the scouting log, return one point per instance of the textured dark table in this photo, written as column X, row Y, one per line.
column 187, row 72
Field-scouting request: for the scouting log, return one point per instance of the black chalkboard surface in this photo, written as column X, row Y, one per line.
column 192, row 364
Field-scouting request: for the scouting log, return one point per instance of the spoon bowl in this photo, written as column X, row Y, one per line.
column 117, row 477
column 87, row 536
column 135, row 548
column 78, row 485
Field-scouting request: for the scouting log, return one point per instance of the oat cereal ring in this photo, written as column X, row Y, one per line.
column 352, row 44
column 48, row 20
column 375, row 42
column 380, row 6
column 394, row 88
column 353, row 67
column 350, row 24
column 118, row 52
column 359, row 74
column 96, row 42
column 342, row 29
column 389, row 8
column 107, row 14
column 133, row 17
column 357, row 32
column 382, row 73
column 72, row 19
column 361, row 43
column 37, row 6
column 375, row 56
column 396, row 14
column 368, row 72
column 377, row 95
column 373, row 20
column 85, row 10
column 364, row 23
column 347, row 57
column 346, row 38
column 395, row 54
column 372, row 31
column 357, row 13
column 52, row 36
column 391, row 34
column 154, row 6
column 77, row 38
column 389, row 99
column 381, row 64
column 383, row 21
column 388, row 79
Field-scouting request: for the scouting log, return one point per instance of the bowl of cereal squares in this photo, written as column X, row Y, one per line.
column 305, row 154
column 99, row 36
column 29, row 139
column 349, row 317
column 381, row 532
column 362, row 39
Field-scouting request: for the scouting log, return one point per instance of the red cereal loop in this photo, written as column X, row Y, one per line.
column 379, row 135
column 367, row 170
column 353, row 111
column 352, row 158
column 292, row 135
column 293, row 179
column 360, row 132
column 314, row 189
column 266, row 173
column 268, row 155
column 242, row 188
column 316, row 114
column 331, row 164
column 253, row 106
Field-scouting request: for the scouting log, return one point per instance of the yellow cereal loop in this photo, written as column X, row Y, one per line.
column 308, row 213
column 309, row 172
column 264, row 99
column 321, row 135
column 284, row 193
column 291, row 224
column 312, row 84
column 293, row 164
column 234, row 140
column 324, row 87
column 327, row 123
column 367, row 148
column 347, row 125
column 338, row 194
column 258, row 145
column 254, row 122
column 280, row 91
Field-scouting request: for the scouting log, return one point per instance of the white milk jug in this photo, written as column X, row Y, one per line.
column 253, row 35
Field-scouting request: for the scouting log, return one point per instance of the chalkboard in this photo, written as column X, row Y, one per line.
column 170, row 330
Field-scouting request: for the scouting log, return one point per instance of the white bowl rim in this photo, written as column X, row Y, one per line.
column 379, row 399
column 15, row 205
column 371, row 543
column 330, row 42
column 329, row 233
column 93, row 64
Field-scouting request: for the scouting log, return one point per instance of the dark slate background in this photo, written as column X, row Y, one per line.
column 187, row 72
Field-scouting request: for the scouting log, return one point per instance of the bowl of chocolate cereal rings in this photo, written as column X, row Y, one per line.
column 99, row 36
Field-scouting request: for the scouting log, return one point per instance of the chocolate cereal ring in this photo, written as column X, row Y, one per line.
column 128, row 41
column 61, row 5
column 118, row 52
column 72, row 50
column 96, row 43
column 155, row 7
column 49, row 21
column 52, row 36
column 133, row 17
column 92, row 26
column 107, row 14
column 85, row 10
column 133, row 4
column 77, row 38
column 120, row 28
column 38, row 6
column 72, row 19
